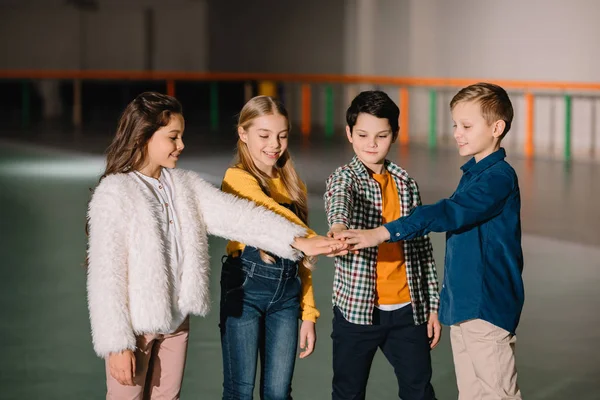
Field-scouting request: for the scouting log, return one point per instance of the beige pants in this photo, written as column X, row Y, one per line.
column 484, row 359
column 160, row 361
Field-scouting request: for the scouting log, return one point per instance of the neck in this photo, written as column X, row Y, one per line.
column 152, row 171
column 376, row 168
column 269, row 171
column 484, row 154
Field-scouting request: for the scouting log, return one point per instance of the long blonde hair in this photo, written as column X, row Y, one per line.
column 257, row 107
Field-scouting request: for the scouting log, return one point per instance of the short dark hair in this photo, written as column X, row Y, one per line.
column 493, row 99
column 377, row 104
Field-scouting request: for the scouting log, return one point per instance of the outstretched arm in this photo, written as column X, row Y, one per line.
column 483, row 200
column 241, row 220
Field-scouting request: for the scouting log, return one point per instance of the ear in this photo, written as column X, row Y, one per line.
column 499, row 127
column 243, row 134
column 349, row 133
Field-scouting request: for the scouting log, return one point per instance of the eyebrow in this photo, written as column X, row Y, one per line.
column 377, row 133
column 268, row 130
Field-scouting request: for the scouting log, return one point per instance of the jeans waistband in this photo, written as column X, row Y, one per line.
column 252, row 264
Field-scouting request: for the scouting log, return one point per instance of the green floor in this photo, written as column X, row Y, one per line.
column 46, row 344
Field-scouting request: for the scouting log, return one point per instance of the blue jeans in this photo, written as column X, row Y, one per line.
column 260, row 307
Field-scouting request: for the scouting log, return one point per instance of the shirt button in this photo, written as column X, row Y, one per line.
column 397, row 234
column 160, row 186
column 170, row 221
column 166, row 204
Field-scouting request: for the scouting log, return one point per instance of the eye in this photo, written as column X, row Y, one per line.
column 174, row 138
column 283, row 137
column 362, row 135
column 263, row 136
column 454, row 126
column 467, row 126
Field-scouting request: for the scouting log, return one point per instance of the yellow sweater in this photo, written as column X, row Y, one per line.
column 242, row 184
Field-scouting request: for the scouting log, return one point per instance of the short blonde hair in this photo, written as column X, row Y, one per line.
column 494, row 101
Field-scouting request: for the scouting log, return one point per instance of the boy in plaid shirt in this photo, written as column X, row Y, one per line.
column 482, row 295
column 387, row 296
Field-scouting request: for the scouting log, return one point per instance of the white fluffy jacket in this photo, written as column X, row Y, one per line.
column 128, row 279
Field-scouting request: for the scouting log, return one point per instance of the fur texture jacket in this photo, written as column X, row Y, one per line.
column 128, row 277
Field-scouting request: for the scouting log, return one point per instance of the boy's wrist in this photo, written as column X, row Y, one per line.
column 383, row 235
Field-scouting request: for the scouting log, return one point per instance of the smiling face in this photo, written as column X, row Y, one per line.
column 165, row 145
column 371, row 139
column 266, row 139
column 474, row 135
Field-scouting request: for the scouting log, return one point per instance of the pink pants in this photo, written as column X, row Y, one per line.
column 160, row 361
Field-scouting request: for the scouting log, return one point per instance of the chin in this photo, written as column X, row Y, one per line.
column 464, row 152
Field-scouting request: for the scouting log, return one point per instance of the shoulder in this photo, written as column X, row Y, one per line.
column 343, row 173
column 185, row 179
column 114, row 185
column 398, row 171
column 237, row 174
column 401, row 174
column 110, row 195
column 502, row 171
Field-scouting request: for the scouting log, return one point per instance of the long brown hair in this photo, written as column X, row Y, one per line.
column 257, row 107
column 146, row 114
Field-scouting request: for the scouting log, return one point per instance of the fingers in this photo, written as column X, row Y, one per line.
column 344, row 234
column 133, row 366
column 430, row 330
column 122, row 368
column 437, row 331
column 307, row 344
column 122, row 376
column 129, row 377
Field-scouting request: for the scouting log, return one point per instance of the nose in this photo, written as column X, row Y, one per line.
column 180, row 145
column 274, row 142
column 457, row 133
column 372, row 142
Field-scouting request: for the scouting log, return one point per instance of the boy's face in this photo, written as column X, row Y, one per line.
column 371, row 140
column 474, row 136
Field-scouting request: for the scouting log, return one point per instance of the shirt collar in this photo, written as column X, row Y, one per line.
column 476, row 167
column 362, row 171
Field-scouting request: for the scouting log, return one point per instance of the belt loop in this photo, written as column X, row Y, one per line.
column 251, row 269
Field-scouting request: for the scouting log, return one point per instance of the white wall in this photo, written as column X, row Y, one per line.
column 551, row 40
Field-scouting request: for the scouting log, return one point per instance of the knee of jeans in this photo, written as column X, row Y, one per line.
column 277, row 391
column 243, row 392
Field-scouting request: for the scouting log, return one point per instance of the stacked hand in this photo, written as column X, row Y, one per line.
column 321, row 245
column 357, row 239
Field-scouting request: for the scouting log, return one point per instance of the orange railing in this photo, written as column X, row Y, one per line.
column 529, row 88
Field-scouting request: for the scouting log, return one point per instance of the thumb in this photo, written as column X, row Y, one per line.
column 429, row 330
column 133, row 365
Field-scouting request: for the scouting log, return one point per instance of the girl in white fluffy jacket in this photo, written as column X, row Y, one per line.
column 148, row 264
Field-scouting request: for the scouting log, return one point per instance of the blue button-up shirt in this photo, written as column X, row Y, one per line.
column 484, row 259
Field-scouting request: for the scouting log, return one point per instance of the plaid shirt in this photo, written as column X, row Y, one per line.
column 353, row 198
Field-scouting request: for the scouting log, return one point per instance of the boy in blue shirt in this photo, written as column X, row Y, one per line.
column 482, row 293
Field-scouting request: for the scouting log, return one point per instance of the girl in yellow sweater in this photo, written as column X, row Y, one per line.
column 263, row 295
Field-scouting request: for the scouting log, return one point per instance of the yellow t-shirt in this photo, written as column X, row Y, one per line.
column 392, row 286
column 242, row 184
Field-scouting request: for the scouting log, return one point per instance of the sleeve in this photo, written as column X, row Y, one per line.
column 339, row 200
column 107, row 280
column 425, row 253
column 243, row 221
column 307, row 298
column 483, row 200
column 242, row 184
